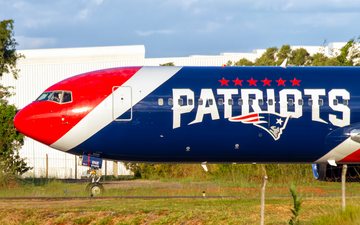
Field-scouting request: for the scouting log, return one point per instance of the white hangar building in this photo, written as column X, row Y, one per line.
column 43, row 67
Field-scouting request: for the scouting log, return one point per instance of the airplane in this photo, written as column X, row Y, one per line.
column 203, row 114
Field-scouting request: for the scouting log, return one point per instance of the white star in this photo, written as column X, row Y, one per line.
column 279, row 121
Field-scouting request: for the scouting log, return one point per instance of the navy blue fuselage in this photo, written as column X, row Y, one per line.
column 153, row 135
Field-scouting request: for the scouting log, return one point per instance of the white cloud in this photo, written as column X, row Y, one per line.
column 211, row 27
column 98, row 2
column 35, row 42
column 154, row 32
column 88, row 8
column 83, row 14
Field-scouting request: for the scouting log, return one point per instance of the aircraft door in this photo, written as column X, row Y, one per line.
column 122, row 103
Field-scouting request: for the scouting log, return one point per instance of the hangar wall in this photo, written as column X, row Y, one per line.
column 43, row 67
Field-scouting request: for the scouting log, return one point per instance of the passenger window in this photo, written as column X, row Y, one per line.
column 310, row 102
column 290, row 102
column 210, row 101
column 170, row 101
column 346, row 102
column 220, row 101
column 271, row 101
column 240, row 101
column 335, row 102
column 321, row 102
column 230, row 102
column 160, row 101
column 190, row 102
column 180, row 101
column 200, row 102
column 300, row 102
column 250, row 102
column 261, row 102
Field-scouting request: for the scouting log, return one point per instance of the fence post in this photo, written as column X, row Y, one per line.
column 115, row 169
column 75, row 167
column 262, row 210
column 343, row 187
column 47, row 166
column 105, row 161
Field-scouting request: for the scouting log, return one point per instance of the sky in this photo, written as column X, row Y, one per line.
column 181, row 27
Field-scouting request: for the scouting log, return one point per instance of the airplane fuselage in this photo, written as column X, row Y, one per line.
column 204, row 114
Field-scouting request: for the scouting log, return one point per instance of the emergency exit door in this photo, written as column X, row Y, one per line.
column 122, row 104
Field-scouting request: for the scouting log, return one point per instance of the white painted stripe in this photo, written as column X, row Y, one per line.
column 145, row 81
column 344, row 149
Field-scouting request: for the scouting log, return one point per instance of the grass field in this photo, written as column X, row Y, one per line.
column 321, row 203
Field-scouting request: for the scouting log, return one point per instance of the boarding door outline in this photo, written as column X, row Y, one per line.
column 122, row 103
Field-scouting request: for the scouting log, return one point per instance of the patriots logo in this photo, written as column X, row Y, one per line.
column 273, row 123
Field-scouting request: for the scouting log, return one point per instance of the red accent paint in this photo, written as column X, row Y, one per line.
column 353, row 157
column 237, row 82
column 47, row 121
column 246, row 117
column 266, row 82
column 280, row 82
column 295, row 82
column 253, row 120
column 224, row 82
column 252, row 82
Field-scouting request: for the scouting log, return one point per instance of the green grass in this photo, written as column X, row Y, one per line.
column 321, row 203
column 173, row 211
column 350, row 216
column 54, row 188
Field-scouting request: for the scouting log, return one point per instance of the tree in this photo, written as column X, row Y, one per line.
column 283, row 53
column 10, row 139
column 268, row 58
column 320, row 59
column 168, row 64
column 244, row 62
column 8, row 54
column 300, row 57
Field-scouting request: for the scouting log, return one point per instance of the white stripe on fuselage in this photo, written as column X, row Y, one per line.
column 338, row 153
column 145, row 81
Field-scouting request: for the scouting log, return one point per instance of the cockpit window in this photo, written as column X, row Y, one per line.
column 66, row 97
column 56, row 96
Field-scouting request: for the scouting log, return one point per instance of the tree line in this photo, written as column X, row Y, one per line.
column 348, row 55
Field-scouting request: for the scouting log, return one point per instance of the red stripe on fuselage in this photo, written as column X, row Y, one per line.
column 48, row 121
column 353, row 157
